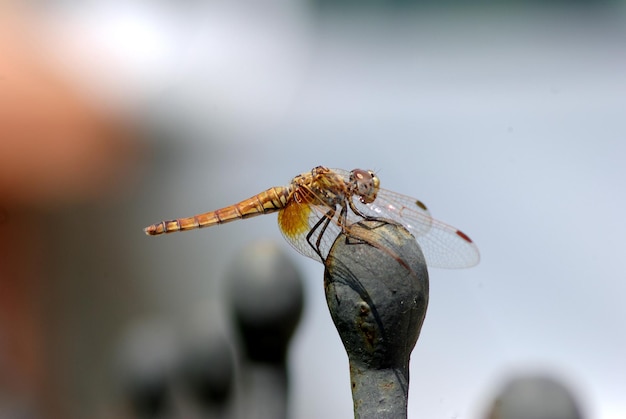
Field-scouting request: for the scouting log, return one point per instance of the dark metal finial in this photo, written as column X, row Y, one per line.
column 266, row 296
column 535, row 396
column 376, row 286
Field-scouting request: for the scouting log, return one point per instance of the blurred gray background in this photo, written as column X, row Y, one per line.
column 508, row 120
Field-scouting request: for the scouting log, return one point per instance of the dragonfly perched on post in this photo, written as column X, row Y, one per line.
column 318, row 205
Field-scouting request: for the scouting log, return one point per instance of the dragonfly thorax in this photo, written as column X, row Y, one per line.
column 321, row 186
column 365, row 184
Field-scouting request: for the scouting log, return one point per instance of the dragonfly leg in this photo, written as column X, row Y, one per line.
column 343, row 219
column 357, row 212
column 323, row 222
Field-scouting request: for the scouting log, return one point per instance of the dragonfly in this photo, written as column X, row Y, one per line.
column 317, row 206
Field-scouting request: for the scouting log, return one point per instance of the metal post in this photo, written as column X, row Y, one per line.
column 376, row 286
column 207, row 373
column 266, row 296
column 147, row 360
column 535, row 396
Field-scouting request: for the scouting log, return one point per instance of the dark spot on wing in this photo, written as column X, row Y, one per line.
column 463, row 236
column 421, row 205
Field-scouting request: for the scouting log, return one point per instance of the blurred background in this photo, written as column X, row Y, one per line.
column 508, row 119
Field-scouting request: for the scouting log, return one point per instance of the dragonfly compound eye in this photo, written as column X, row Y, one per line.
column 365, row 184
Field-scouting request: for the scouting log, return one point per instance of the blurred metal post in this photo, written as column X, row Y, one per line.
column 534, row 396
column 376, row 286
column 207, row 372
column 147, row 359
column 266, row 296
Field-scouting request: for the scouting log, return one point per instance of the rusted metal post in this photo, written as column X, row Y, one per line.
column 376, row 286
column 266, row 296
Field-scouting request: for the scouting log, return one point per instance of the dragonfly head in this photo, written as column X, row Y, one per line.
column 365, row 184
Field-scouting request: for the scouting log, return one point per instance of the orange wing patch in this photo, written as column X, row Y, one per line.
column 293, row 220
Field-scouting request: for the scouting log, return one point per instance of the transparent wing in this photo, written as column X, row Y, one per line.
column 410, row 212
column 319, row 222
column 444, row 246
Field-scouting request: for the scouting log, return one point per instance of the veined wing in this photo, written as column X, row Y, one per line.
column 444, row 246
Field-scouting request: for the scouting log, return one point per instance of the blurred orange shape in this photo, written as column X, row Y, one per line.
column 56, row 145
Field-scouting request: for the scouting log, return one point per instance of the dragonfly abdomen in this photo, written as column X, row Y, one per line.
column 271, row 200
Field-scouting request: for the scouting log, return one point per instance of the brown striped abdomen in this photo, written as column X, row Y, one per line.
column 266, row 202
